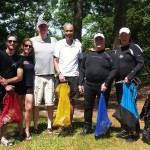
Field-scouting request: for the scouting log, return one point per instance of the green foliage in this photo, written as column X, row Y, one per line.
column 20, row 17
column 138, row 21
column 95, row 24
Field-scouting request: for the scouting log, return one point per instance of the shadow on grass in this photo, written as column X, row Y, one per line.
column 78, row 127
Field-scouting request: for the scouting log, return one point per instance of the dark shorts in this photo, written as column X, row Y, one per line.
column 73, row 83
column 2, row 94
column 24, row 90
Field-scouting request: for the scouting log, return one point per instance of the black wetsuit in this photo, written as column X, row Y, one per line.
column 97, row 67
column 8, row 69
column 130, row 63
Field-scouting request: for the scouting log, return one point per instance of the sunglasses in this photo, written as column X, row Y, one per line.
column 12, row 41
column 25, row 45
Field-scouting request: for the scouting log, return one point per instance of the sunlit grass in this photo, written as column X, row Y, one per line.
column 45, row 141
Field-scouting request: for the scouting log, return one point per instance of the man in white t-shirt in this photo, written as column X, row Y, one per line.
column 67, row 54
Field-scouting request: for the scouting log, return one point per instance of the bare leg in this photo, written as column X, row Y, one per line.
column 72, row 107
column 28, row 108
column 50, row 116
column 21, row 104
column 35, row 116
column 2, row 131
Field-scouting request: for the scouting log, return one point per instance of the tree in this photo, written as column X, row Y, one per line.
column 19, row 17
column 77, row 20
column 119, row 19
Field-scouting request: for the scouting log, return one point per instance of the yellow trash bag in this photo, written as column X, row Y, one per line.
column 63, row 110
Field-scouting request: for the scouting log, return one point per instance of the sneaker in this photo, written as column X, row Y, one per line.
column 132, row 138
column 121, row 134
column 5, row 142
column 49, row 130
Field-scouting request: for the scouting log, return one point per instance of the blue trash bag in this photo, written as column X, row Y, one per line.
column 103, row 123
column 127, row 113
column 129, row 97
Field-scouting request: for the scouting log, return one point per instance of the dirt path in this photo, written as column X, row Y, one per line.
column 143, row 91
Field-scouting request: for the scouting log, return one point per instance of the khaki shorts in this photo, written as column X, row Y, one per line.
column 44, row 89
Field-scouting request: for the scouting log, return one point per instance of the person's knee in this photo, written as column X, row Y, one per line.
column 28, row 108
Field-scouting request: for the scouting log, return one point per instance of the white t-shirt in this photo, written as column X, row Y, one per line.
column 68, row 57
column 43, row 55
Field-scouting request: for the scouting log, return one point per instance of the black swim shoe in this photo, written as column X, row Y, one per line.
column 121, row 134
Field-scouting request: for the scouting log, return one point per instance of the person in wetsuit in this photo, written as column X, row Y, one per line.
column 97, row 71
column 130, row 62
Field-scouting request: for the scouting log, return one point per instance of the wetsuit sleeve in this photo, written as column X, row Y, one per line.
column 139, row 59
column 113, row 62
column 82, row 71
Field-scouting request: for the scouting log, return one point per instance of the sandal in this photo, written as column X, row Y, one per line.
column 36, row 131
column 21, row 137
column 58, row 131
column 28, row 138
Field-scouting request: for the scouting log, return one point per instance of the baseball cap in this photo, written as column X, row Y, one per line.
column 99, row 35
column 41, row 22
column 124, row 29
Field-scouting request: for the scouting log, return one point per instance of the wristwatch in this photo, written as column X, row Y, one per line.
column 58, row 72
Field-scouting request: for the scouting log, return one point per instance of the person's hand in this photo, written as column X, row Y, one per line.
column 3, row 81
column 62, row 78
column 103, row 87
column 9, row 88
column 81, row 89
column 0, row 80
column 126, row 80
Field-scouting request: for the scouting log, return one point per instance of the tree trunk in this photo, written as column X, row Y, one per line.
column 77, row 19
column 119, row 19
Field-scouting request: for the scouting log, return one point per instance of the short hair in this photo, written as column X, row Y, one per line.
column 12, row 35
column 66, row 24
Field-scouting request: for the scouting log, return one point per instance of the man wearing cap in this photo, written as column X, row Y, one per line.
column 130, row 63
column 67, row 56
column 43, row 46
column 97, row 71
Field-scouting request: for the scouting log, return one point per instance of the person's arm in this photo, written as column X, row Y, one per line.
column 56, row 65
column 113, row 67
column 137, row 68
column 82, row 75
column 14, row 79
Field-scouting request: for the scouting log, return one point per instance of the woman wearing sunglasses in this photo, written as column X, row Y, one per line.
column 26, row 85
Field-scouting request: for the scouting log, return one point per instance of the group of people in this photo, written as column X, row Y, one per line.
column 32, row 76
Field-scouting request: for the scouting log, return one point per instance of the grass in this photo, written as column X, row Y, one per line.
column 45, row 141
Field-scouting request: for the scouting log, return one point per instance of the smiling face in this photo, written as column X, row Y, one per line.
column 99, row 43
column 124, row 38
column 68, row 31
column 11, row 43
column 43, row 29
column 26, row 48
